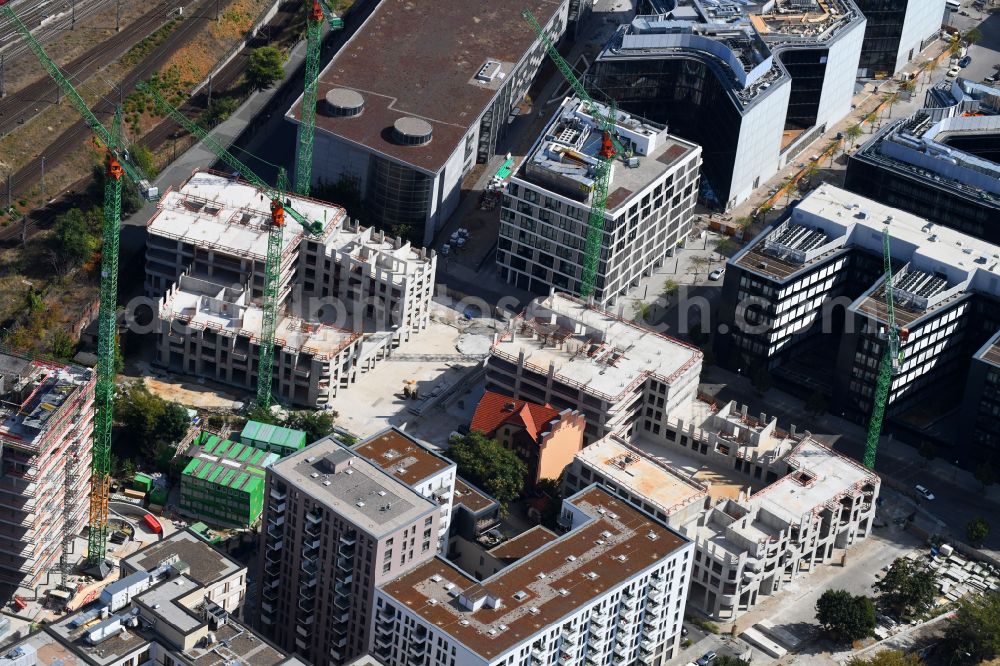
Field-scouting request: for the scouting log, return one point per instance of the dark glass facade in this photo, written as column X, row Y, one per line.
column 896, row 187
column 688, row 96
column 397, row 194
column 882, row 33
column 807, row 68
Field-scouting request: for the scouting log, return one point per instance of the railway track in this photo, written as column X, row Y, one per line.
column 23, row 105
column 32, row 12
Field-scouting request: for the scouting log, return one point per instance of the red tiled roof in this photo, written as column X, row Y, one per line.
column 495, row 410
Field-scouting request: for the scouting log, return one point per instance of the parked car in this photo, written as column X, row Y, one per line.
column 717, row 274
column 706, row 659
column 953, row 72
column 924, row 492
column 965, row 62
column 992, row 78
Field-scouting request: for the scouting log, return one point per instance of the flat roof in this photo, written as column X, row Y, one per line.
column 47, row 649
column 616, row 544
column 360, row 492
column 433, row 78
column 640, row 474
column 592, row 349
column 236, row 642
column 273, row 435
column 402, row 456
column 819, row 475
column 470, row 498
column 846, row 220
column 524, row 543
column 566, row 154
column 217, row 211
column 205, row 563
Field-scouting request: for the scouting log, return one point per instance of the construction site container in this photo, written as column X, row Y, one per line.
column 142, row 482
column 134, row 494
column 119, row 593
column 224, row 482
column 267, row 437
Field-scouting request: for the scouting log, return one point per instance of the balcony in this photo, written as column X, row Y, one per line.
column 276, row 494
column 278, row 508
column 348, row 539
column 308, row 568
column 276, row 545
column 345, row 564
column 647, row 645
column 274, row 532
column 570, row 635
column 275, row 521
column 305, row 621
column 383, row 641
column 311, row 543
column 342, row 602
column 340, row 616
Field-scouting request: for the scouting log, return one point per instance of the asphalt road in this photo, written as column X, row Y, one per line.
column 18, row 108
column 985, row 54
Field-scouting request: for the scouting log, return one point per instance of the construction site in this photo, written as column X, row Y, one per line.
column 206, row 255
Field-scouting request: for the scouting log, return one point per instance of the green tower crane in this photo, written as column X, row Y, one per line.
column 116, row 166
column 610, row 146
column 272, row 265
column 307, row 132
column 892, row 360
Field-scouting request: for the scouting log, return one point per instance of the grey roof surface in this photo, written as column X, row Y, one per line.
column 360, row 492
column 205, row 563
column 162, row 600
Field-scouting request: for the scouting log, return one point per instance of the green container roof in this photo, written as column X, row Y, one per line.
column 257, row 433
column 228, row 464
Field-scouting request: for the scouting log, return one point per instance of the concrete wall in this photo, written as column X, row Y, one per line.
column 839, row 78
column 760, row 143
column 558, row 447
column 923, row 19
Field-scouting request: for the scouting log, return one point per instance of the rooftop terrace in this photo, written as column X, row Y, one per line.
column 592, row 349
column 446, row 82
column 538, row 590
column 565, row 158
column 349, row 485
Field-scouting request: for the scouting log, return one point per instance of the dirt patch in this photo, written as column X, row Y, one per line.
column 193, row 395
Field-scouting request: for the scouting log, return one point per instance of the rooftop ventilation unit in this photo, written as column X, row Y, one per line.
column 520, row 595
column 488, row 72
column 410, row 131
column 344, row 103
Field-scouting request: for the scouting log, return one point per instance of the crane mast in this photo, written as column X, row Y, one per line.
column 890, row 364
column 115, row 167
column 316, row 12
column 610, row 147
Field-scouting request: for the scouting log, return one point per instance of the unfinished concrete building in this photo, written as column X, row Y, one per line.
column 762, row 505
column 347, row 294
column 46, row 423
column 564, row 353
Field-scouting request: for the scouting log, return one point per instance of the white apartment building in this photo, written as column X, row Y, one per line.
column 544, row 220
column 763, row 506
column 610, row 590
column 347, row 295
column 564, row 353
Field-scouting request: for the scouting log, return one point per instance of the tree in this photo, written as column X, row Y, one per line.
column 640, row 310
column 726, row 246
column 973, row 635
column 489, row 465
column 890, row 99
column 127, row 468
column 870, row 118
column 888, row 658
column 264, row 67
column 908, row 86
column 173, row 423
column 551, row 490
column 728, row 660
column 844, row 616
column 316, row 425
column 973, row 35
column 927, row 451
column 670, row 288
column 908, row 589
column 139, row 412
column 63, row 345
column 143, row 157
column 852, row 133
column 984, row 474
column 816, row 404
column 131, row 201
column 977, row 531
column 956, row 47
column 72, row 241
column 219, row 110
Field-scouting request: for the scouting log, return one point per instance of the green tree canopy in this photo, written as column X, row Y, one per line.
column 973, row 635
column 908, row 588
column 888, row 658
column 985, row 474
column 264, row 68
column 489, row 465
column 73, row 240
column 148, row 421
column 316, row 425
column 845, row 616
column 977, row 531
